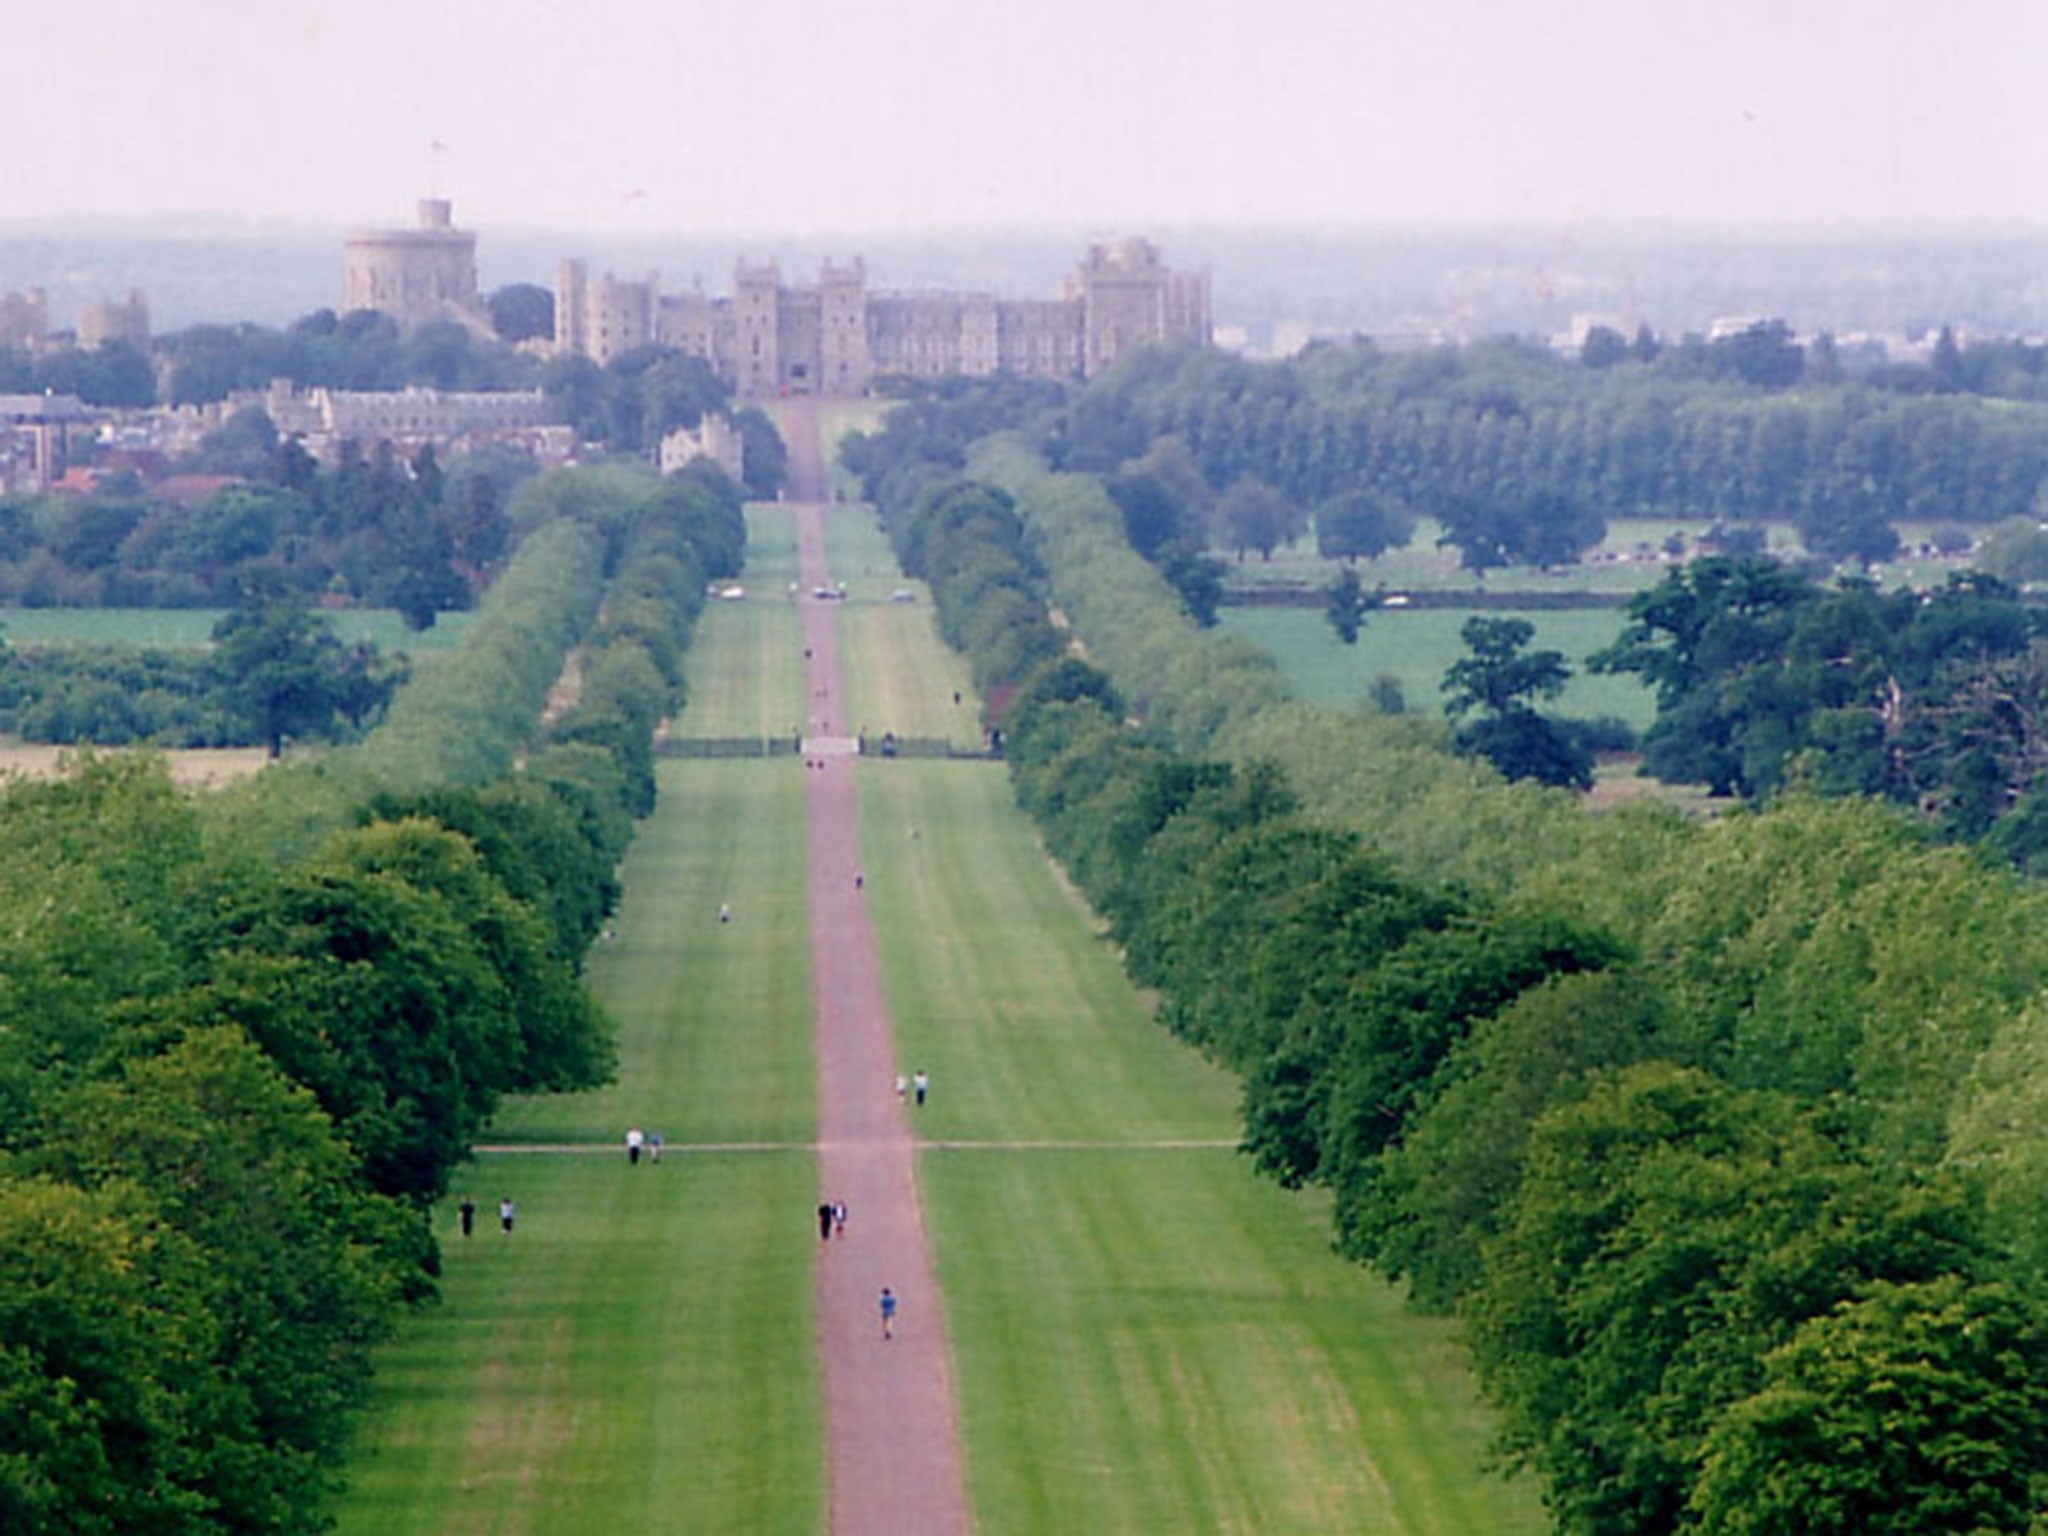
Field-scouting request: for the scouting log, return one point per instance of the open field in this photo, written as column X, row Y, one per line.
column 1626, row 561
column 196, row 768
column 1415, row 646
column 191, row 628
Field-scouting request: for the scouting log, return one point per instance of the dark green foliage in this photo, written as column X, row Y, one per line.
column 1500, row 680
column 522, row 312
column 1762, row 677
column 1347, row 605
column 1359, row 524
column 235, row 1059
column 1527, row 455
column 964, row 538
column 1700, row 1126
column 1917, row 1407
column 1668, row 1234
column 764, row 457
column 635, row 400
column 286, row 675
column 362, row 350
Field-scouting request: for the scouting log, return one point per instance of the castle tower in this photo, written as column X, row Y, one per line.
column 843, row 340
column 1123, row 300
column 572, row 309
column 414, row 275
column 756, row 302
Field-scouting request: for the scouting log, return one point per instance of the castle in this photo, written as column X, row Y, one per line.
column 834, row 336
column 831, row 337
column 415, row 275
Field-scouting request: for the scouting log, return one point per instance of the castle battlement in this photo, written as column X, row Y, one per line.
column 836, row 335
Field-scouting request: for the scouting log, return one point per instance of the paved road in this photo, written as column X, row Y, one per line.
column 892, row 1447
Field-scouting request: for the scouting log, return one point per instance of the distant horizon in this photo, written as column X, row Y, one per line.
column 215, row 225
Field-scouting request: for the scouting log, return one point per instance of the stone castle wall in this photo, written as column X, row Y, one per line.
column 835, row 336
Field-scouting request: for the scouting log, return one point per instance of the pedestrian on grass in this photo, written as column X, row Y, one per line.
column 902, row 1087
column 888, row 1313
column 922, row 1083
column 824, row 1221
column 634, row 1142
column 724, row 912
column 505, row 1215
column 466, row 1212
column 654, row 1146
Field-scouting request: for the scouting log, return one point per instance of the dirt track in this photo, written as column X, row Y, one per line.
column 892, row 1449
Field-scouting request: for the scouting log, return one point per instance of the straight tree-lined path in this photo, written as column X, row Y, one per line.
column 892, row 1450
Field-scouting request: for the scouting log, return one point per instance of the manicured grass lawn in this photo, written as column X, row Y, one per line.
column 1145, row 1338
column 898, row 678
column 858, row 554
column 636, row 1356
column 1415, row 646
column 640, row 1354
column 745, row 668
column 714, row 1019
column 190, row 628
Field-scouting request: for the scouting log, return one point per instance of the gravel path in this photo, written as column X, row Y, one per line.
column 892, row 1447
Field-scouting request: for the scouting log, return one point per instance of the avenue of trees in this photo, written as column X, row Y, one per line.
column 245, row 1040
column 1726, row 1140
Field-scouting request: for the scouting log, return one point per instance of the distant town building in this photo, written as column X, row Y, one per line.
column 415, row 275
column 714, row 438
column 835, row 336
column 410, row 418
column 35, row 432
column 24, row 320
column 127, row 321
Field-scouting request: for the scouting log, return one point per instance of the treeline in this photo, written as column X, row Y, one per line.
column 372, row 528
column 276, row 670
column 1725, row 1140
column 1766, row 679
column 244, row 1042
column 1525, row 455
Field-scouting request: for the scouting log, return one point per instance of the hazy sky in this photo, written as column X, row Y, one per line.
column 814, row 116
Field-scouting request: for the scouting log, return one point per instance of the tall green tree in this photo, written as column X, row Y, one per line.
column 289, row 676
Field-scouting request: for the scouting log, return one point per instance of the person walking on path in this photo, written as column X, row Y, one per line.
column 888, row 1313
column 467, row 1212
column 824, row 1221
column 839, row 1218
column 505, row 1215
column 654, row 1146
column 923, row 1083
column 634, row 1142
column 902, row 1087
